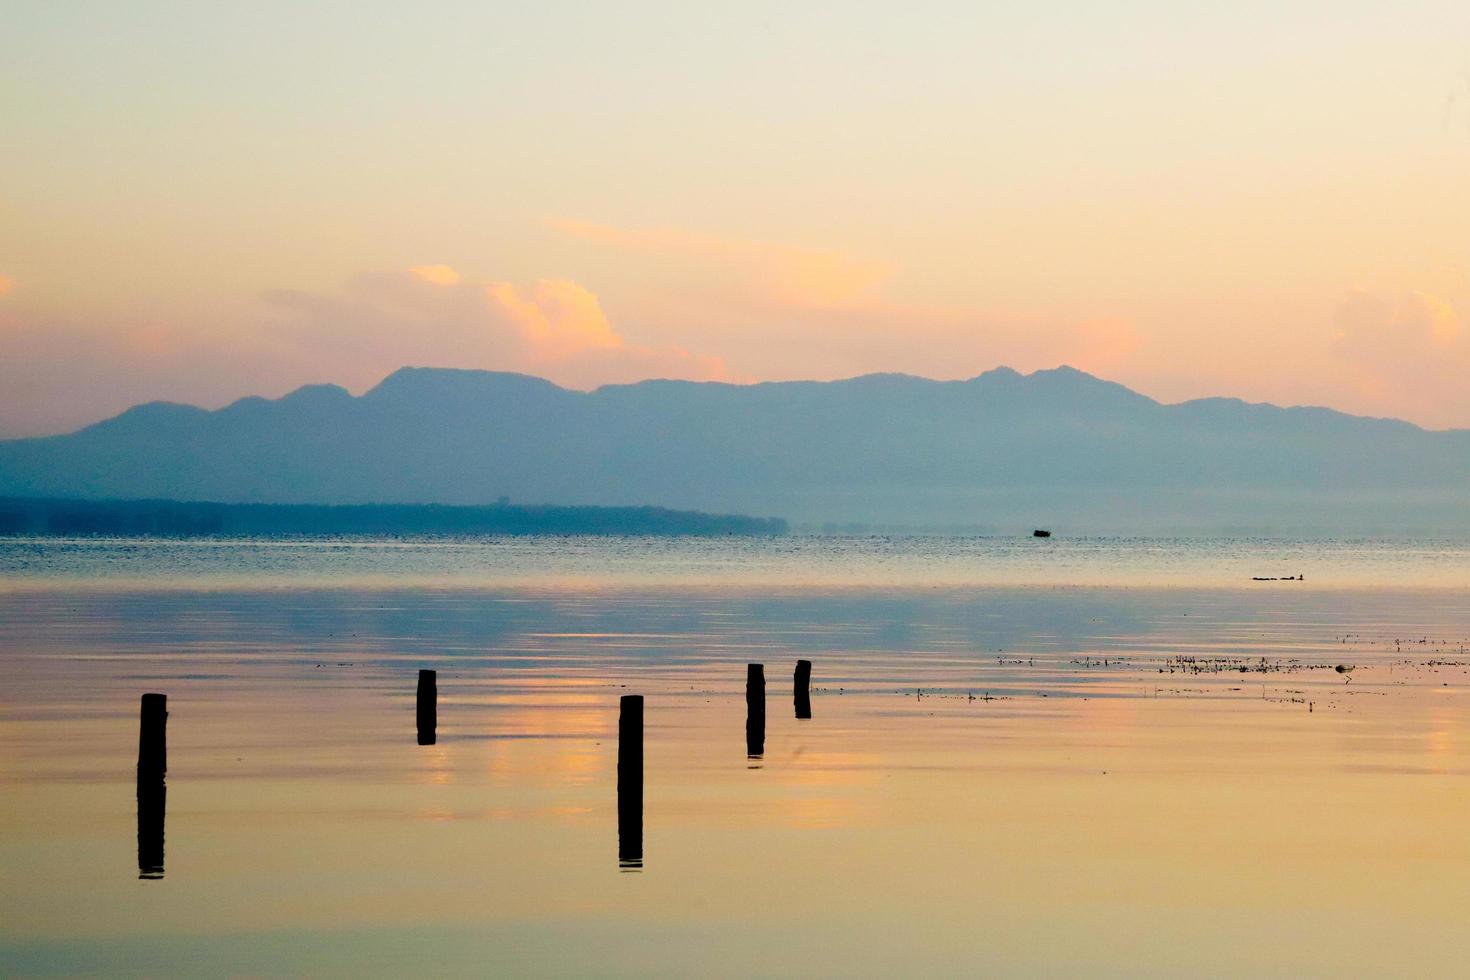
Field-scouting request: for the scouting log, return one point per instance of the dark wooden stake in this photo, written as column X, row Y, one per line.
column 428, row 705
column 153, row 735
column 630, row 781
column 755, row 710
column 803, row 689
column 152, row 765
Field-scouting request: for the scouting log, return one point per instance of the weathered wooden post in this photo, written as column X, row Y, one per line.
column 152, row 767
column 153, row 735
column 428, row 707
column 755, row 710
column 630, row 781
column 803, row 689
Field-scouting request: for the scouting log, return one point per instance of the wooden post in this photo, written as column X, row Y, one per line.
column 630, row 781
column 153, row 735
column 755, row 710
column 428, row 707
column 803, row 689
column 152, row 765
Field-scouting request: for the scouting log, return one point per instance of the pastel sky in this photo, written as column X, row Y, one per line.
column 203, row 201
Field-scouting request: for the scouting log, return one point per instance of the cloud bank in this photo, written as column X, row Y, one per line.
column 1404, row 352
column 713, row 308
column 58, row 375
column 431, row 315
column 824, row 313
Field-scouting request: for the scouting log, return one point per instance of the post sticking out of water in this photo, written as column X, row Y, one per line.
column 630, row 781
column 152, row 765
column 755, row 710
column 803, row 689
column 428, row 707
column 153, row 736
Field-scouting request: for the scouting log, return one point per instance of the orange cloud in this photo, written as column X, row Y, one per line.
column 6, row 285
column 801, row 277
column 60, row 374
column 1367, row 321
column 556, row 317
column 1404, row 353
column 792, row 312
column 439, row 275
column 433, row 315
column 1444, row 323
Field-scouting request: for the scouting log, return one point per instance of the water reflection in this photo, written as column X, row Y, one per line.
column 151, row 799
column 1352, row 802
column 755, row 710
column 428, row 707
column 630, row 782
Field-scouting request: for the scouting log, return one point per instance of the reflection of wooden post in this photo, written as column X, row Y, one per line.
column 428, row 706
column 151, row 797
column 630, row 781
column 152, row 765
column 755, row 710
column 803, row 689
column 153, row 735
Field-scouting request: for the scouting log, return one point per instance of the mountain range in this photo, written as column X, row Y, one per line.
column 1002, row 451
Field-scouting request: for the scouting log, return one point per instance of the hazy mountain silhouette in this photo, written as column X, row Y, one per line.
column 175, row 518
column 1005, row 450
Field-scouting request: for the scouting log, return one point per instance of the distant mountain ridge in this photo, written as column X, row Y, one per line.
column 999, row 450
column 175, row 518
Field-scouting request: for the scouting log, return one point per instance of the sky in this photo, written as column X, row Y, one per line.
column 204, row 201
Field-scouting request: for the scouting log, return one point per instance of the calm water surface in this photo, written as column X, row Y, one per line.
column 1106, row 757
column 723, row 562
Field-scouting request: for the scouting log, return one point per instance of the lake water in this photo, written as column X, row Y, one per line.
column 1066, row 757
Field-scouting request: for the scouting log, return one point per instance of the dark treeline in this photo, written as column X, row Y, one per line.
column 176, row 518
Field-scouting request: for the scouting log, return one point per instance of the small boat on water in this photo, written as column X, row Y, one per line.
column 1039, row 533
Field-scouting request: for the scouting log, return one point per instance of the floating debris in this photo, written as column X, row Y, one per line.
column 1184, row 664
